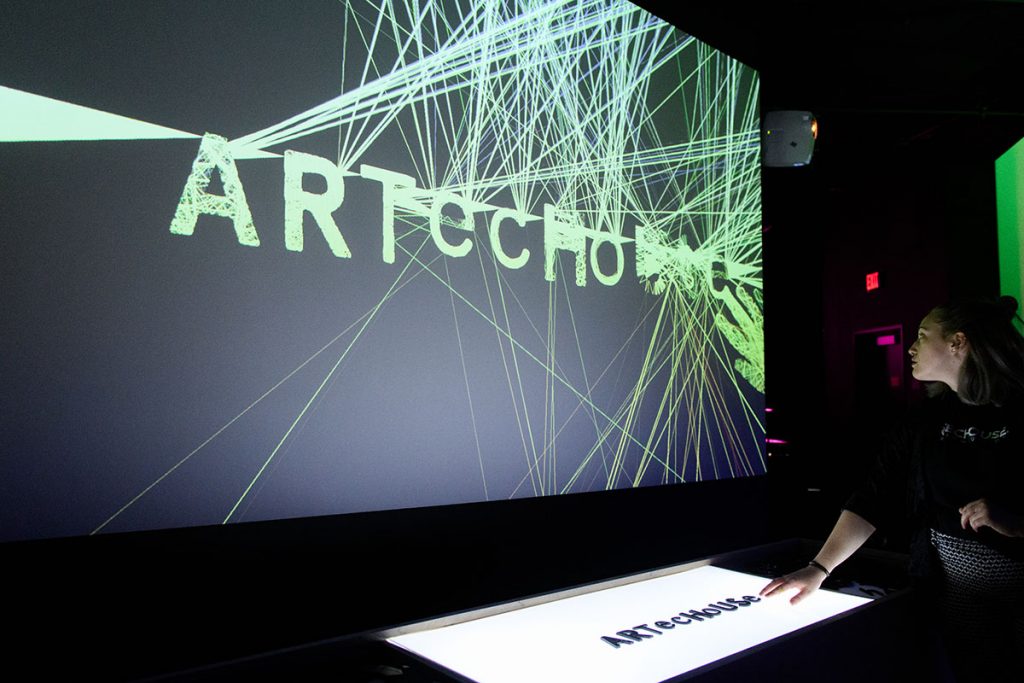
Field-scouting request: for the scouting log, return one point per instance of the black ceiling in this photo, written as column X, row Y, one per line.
column 938, row 74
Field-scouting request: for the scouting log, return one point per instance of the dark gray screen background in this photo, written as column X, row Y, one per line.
column 125, row 347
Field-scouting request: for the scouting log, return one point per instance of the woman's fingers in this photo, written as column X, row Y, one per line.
column 975, row 514
column 772, row 587
column 979, row 513
column 965, row 515
column 804, row 581
column 802, row 591
column 801, row 594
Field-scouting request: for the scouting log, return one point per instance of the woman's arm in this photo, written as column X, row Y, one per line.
column 849, row 534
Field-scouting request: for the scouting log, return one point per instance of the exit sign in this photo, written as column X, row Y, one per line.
column 872, row 281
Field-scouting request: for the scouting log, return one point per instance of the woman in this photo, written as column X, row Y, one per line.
column 956, row 470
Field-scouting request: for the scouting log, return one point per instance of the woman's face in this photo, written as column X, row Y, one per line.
column 935, row 358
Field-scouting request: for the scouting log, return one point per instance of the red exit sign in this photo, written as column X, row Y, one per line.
column 872, row 281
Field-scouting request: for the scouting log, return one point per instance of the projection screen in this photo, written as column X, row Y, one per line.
column 274, row 260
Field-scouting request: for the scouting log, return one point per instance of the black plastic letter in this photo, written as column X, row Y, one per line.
column 632, row 635
column 616, row 642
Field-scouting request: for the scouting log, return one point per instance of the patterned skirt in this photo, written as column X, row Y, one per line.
column 981, row 608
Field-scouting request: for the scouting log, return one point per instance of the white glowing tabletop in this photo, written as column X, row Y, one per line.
column 644, row 631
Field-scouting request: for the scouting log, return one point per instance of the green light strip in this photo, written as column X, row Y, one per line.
column 25, row 117
column 1010, row 215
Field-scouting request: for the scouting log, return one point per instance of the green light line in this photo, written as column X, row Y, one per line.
column 465, row 378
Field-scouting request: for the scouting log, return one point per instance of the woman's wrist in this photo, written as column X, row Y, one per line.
column 819, row 565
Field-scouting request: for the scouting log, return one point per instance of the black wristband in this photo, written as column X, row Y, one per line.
column 818, row 565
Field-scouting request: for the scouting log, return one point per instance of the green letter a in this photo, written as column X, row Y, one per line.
column 195, row 200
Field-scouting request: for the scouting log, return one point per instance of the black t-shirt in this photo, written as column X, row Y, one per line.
column 948, row 454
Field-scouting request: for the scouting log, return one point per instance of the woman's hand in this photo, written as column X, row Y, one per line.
column 979, row 513
column 805, row 581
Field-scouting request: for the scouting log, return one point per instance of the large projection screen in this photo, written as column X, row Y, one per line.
column 274, row 260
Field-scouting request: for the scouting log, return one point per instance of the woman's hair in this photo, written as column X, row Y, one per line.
column 993, row 371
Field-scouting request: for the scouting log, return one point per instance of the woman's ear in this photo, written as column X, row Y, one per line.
column 958, row 344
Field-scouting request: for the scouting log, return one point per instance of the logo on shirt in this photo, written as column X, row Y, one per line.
column 972, row 434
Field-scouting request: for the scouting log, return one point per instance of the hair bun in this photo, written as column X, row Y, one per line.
column 1007, row 306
